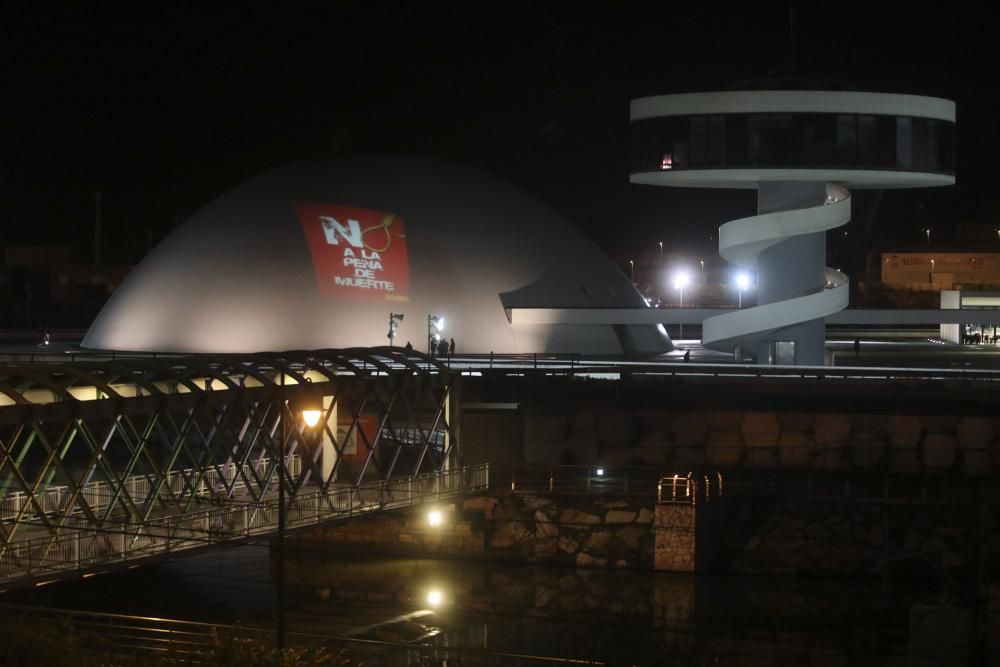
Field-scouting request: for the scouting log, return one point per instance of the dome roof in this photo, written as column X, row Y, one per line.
column 316, row 255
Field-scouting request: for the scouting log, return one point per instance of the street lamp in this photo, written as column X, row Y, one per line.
column 702, row 262
column 928, row 232
column 310, row 405
column 742, row 284
column 435, row 325
column 394, row 320
column 631, row 270
column 932, row 272
column 681, row 280
column 661, row 243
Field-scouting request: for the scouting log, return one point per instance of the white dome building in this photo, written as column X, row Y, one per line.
column 317, row 255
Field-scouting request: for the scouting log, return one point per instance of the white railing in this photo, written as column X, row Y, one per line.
column 99, row 494
column 82, row 547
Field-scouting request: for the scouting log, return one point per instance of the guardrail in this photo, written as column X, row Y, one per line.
column 572, row 479
column 98, row 494
column 127, row 639
column 81, row 546
column 575, row 363
column 689, row 490
column 666, row 486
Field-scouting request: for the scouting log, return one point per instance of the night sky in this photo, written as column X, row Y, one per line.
column 165, row 108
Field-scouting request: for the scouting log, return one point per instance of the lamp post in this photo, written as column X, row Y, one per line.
column 702, row 262
column 932, row 272
column 310, row 405
column 742, row 283
column 631, row 270
column 928, row 232
column 681, row 280
column 435, row 325
column 394, row 320
column 661, row 244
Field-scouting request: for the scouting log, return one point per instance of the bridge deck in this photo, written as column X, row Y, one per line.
column 80, row 547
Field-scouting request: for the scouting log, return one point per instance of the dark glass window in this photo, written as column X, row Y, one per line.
column 756, row 138
column 904, row 143
column 808, row 140
column 717, row 140
column 780, row 148
column 699, row 140
column 847, row 139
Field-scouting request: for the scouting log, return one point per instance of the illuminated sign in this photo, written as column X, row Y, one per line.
column 358, row 254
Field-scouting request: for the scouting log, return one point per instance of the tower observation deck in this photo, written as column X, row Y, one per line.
column 803, row 151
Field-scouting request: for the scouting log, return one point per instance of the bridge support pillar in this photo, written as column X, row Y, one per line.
column 328, row 455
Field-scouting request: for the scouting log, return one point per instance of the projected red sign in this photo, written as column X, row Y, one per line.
column 358, row 254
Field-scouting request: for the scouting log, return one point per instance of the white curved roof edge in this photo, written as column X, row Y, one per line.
column 791, row 101
column 750, row 178
column 741, row 241
column 723, row 332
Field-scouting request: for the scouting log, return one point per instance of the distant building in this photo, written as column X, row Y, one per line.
column 984, row 332
column 801, row 150
column 940, row 270
column 40, row 285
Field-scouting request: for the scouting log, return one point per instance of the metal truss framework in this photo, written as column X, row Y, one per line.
column 120, row 447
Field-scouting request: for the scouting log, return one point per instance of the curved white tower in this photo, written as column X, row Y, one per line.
column 802, row 151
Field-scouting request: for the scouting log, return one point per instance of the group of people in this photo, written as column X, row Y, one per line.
column 441, row 348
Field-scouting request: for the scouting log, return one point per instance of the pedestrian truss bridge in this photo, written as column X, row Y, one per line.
column 111, row 463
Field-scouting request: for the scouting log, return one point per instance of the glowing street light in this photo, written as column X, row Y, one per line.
column 932, row 271
column 928, row 232
column 631, row 270
column 742, row 284
column 434, row 597
column 310, row 405
column 681, row 280
column 435, row 518
column 661, row 242
column 702, row 262
column 435, row 325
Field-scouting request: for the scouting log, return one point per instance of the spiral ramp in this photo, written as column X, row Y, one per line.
column 741, row 242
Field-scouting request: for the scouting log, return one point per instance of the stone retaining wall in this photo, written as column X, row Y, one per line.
column 585, row 531
column 815, row 537
column 693, row 438
column 751, row 534
column 408, row 533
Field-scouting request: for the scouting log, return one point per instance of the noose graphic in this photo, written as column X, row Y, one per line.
column 386, row 225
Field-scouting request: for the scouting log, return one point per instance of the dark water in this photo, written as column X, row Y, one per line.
column 623, row 617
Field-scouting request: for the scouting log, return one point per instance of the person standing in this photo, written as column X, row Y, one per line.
column 452, row 350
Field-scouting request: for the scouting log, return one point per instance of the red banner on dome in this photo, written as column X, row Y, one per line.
column 358, row 254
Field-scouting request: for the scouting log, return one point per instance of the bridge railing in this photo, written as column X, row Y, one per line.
column 99, row 494
column 689, row 489
column 127, row 639
column 574, row 479
column 651, row 481
column 81, row 546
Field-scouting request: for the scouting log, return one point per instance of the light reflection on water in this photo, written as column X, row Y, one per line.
column 634, row 616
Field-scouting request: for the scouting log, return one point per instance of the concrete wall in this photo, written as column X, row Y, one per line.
column 831, row 427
